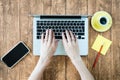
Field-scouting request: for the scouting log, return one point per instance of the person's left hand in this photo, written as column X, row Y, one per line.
column 48, row 46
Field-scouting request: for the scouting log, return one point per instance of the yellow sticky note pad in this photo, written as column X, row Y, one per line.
column 100, row 40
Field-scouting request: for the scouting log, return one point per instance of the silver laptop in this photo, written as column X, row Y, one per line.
column 59, row 23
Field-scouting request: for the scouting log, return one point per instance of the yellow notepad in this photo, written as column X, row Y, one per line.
column 100, row 40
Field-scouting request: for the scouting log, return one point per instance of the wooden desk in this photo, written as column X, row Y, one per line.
column 16, row 25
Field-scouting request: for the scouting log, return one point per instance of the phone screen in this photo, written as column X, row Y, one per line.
column 15, row 54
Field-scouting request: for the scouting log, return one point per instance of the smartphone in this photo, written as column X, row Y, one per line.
column 14, row 55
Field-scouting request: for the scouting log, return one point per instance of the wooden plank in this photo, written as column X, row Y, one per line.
column 74, row 7
column 1, row 40
column 11, row 35
column 47, row 6
column 115, row 12
column 92, row 35
column 26, row 24
column 105, row 62
column 36, row 6
column 116, row 51
column 83, row 7
column 58, row 7
column 24, row 10
column 1, row 27
column 116, row 38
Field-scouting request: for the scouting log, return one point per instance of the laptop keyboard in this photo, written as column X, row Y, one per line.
column 77, row 27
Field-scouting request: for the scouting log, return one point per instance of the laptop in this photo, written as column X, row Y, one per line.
column 78, row 24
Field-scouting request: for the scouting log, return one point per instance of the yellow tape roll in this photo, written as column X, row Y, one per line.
column 101, row 21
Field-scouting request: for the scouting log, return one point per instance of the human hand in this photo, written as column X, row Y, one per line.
column 70, row 45
column 48, row 46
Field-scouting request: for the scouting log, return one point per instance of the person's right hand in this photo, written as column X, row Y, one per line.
column 70, row 45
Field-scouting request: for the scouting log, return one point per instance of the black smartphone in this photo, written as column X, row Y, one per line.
column 14, row 55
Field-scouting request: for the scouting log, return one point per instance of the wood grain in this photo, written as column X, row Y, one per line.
column 16, row 25
column 11, row 36
column 115, row 32
column 24, row 26
column 2, row 42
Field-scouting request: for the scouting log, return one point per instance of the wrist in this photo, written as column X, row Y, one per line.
column 40, row 67
column 75, row 57
column 76, row 60
column 43, row 62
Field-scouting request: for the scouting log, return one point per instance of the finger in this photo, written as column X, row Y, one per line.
column 63, row 37
column 56, row 43
column 76, row 39
column 46, row 36
column 53, row 39
column 42, row 38
column 72, row 36
column 68, row 36
column 50, row 36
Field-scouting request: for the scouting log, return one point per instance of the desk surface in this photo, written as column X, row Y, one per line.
column 16, row 25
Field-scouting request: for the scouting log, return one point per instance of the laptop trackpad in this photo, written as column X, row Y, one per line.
column 60, row 49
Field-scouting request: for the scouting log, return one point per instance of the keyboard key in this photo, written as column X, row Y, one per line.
column 58, row 37
column 57, row 30
column 38, row 33
column 82, row 23
column 53, row 30
column 63, row 30
column 38, row 23
column 79, row 37
column 75, row 34
column 44, row 30
column 39, row 30
column 60, row 30
column 80, row 33
column 51, row 23
column 38, row 37
column 83, row 38
column 67, row 23
column 58, row 23
column 80, row 30
column 73, row 30
column 83, row 28
column 38, row 27
column 59, row 33
column 76, row 30
column 55, row 33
